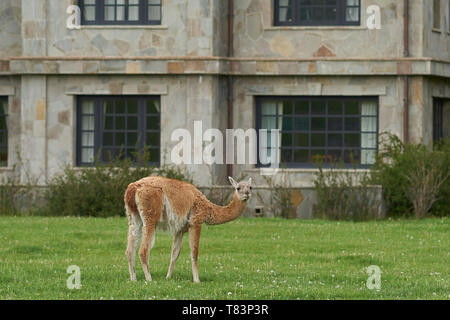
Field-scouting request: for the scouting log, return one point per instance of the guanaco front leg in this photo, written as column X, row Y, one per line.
column 176, row 249
column 194, row 238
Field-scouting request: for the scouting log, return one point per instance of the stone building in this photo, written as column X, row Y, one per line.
column 323, row 72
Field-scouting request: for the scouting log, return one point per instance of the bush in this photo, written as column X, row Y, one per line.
column 16, row 196
column 414, row 177
column 99, row 191
column 281, row 193
column 344, row 195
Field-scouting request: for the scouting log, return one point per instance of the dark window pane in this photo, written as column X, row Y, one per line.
column 352, row 124
column 152, row 123
column 301, row 156
column 132, row 107
column 120, row 139
column 335, row 124
column 120, row 106
column 286, row 140
column 132, row 139
column 109, row 123
column 109, row 107
column 301, row 140
column 286, row 155
column 351, row 108
column 330, row 14
column 108, row 139
column 120, row 123
column 335, row 140
column 318, row 124
column 152, row 107
column 301, row 124
column 335, row 107
column 287, row 123
column 302, row 107
column 132, row 123
column 3, row 156
column 352, row 140
column 318, row 140
column 318, row 107
column 153, row 139
column 286, row 108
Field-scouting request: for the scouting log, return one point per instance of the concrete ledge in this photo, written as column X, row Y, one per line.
column 238, row 66
column 7, row 91
column 115, row 88
column 324, row 90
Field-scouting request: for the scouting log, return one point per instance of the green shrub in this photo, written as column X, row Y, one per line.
column 345, row 195
column 280, row 203
column 99, row 191
column 19, row 193
column 414, row 177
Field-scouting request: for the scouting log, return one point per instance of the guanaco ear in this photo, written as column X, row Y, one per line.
column 250, row 181
column 233, row 183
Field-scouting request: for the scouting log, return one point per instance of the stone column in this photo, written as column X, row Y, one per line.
column 34, row 33
column 33, row 144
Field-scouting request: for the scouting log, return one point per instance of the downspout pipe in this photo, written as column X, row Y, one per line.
column 230, row 77
column 406, row 78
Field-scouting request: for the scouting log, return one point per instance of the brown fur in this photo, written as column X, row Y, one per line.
column 146, row 206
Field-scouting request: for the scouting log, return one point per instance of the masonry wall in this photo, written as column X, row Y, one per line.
column 10, row 28
column 256, row 36
column 436, row 41
column 187, row 29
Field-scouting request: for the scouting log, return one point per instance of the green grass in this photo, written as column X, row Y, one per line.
column 244, row 259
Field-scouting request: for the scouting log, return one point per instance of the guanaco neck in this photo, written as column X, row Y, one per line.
column 220, row 215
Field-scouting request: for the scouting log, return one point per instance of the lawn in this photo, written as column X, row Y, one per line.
column 245, row 259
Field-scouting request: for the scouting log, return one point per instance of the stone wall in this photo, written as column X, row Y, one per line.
column 436, row 41
column 256, row 36
column 10, row 28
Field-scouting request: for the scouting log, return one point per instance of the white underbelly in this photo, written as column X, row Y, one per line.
column 170, row 220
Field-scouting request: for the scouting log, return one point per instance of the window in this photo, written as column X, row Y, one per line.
column 317, row 12
column 3, row 131
column 120, row 12
column 331, row 129
column 437, row 14
column 438, row 119
column 112, row 126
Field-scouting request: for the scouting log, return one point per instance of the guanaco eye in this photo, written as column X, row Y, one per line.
column 251, row 188
column 238, row 188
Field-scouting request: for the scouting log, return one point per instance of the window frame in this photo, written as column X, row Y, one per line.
column 436, row 13
column 98, row 130
column 326, row 164
column 4, row 99
column 438, row 120
column 100, row 14
column 296, row 21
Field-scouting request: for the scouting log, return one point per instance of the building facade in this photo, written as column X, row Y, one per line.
column 331, row 75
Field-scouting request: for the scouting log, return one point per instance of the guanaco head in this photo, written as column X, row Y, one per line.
column 243, row 188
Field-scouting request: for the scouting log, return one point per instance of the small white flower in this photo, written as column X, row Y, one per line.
column 230, row 293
